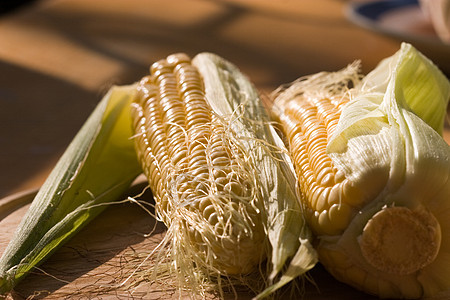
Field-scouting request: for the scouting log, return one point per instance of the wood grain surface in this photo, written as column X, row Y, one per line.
column 58, row 57
column 98, row 261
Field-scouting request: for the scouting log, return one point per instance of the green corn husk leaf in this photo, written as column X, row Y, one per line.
column 393, row 125
column 288, row 234
column 97, row 167
column 397, row 114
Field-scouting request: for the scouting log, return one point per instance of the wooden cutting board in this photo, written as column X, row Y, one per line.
column 114, row 246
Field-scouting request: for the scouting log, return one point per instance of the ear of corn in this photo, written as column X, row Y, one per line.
column 97, row 167
column 375, row 173
column 221, row 182
column 222, row 179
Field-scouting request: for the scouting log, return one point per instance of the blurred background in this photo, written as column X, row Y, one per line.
column 58, row 57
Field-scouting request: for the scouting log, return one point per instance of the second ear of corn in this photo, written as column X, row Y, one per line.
column 374, row 171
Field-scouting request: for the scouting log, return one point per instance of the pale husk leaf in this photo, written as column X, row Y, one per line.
column 394, row 124
column 231, row 94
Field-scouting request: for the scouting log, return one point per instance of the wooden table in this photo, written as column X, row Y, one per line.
column 58, row 57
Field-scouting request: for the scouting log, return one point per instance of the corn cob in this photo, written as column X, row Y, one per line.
column 182, row 146
column 219, row 180
column 375, row 173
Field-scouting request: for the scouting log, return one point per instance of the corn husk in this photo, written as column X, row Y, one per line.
column 97, row 167
column 231, row 94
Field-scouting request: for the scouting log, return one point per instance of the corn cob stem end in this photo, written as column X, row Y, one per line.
column 401, row 241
